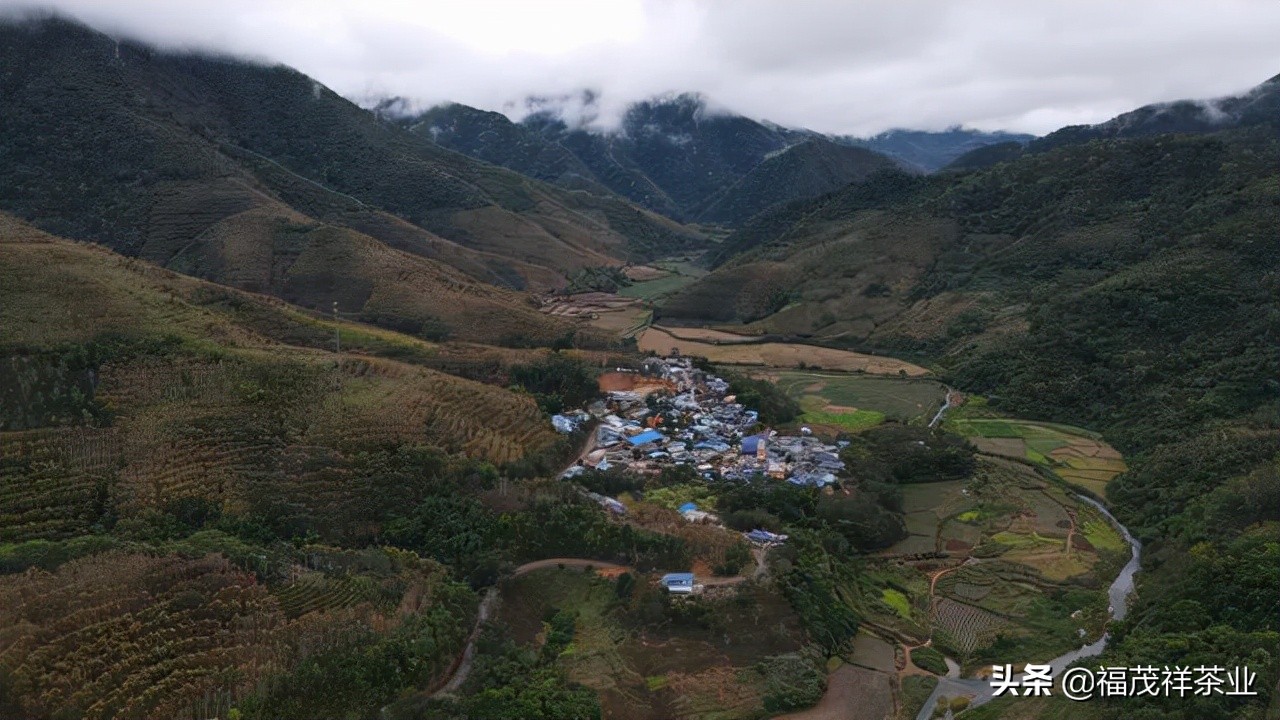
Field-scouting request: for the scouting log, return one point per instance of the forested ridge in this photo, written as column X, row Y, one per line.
column 1126, row 285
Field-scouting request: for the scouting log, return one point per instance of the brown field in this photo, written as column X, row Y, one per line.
column 853, row 693
column 611, row 314
column 707, row 335
column 662, row 341
column 644, row 273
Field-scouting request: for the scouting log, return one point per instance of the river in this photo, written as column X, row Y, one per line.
column 1118, row 595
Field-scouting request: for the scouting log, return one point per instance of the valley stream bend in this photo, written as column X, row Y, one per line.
column 1118, row 595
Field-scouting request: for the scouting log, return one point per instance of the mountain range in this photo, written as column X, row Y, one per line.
column 276, row 378
column 680, row 156
column 261, row 178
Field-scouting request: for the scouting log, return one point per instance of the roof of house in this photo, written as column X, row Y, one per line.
column 646, row 437
column 677, row 579
column 751, row 443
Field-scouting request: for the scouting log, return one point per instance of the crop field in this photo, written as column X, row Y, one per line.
column 187, row 637
column 849, row 421
column 872, row 652
column 898, row 399
column 967, row 627
column 672, row 670
column 242, row 426
column 1012, row 527
column 824, row 393
column 775, row 354
column 925, row 506
column 662, row 278
column 1078, row 456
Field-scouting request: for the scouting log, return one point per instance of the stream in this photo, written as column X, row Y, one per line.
column 1118, row 595
column 946, row 405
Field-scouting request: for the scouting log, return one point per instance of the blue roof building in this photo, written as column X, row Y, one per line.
column 681, row 583
column 645, row 437
column 751, row 443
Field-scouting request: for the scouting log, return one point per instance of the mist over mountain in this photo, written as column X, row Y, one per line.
column 679, row 154
column 601, row 409
column 1258, row 106
column 237, row 172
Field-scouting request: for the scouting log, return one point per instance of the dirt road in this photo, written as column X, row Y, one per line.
column 462, row 668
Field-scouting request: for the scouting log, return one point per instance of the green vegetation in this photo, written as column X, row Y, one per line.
column 774, row 406
column 900, row 400
column 679, row 275
column 557, row 382
column 896, row 600
column 916, row 689
column 907, row 454
column 854, row 421
column 926, row 658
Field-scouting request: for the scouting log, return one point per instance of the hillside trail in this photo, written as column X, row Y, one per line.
column 462, row 666
column 461, row 669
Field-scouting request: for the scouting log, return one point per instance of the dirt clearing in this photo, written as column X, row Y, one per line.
column 853, row 693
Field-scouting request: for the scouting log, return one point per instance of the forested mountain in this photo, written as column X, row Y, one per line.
column 934, row 150
column 262, row 178
column 1258, row 106
column 1130, row 285
column 276, row 395
column 678, row 156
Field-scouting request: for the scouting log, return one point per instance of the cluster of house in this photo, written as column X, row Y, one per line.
column 697, row 422
column 676, row 414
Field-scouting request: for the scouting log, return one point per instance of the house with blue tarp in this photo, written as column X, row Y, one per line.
column 679, row 583
column 751, row 443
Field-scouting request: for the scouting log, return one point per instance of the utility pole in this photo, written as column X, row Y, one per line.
column 337, row 331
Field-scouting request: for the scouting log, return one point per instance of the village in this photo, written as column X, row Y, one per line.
column 672, row 413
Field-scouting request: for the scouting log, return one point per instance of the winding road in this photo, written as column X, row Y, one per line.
column 462, row 666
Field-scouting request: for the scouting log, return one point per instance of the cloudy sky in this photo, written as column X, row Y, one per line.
column 841, row 66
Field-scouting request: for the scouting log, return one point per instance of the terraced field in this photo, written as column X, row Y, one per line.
column 180, row 626
column 1078, row 456
column 663, row 340
column 1008, row 542
column 53, row 481
column 244, row 427
column 133, row 635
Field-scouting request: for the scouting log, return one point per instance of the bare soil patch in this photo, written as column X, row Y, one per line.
column 644, row 273
column 853, row 693
column 632, row 382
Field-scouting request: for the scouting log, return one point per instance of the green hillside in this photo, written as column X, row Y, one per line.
column 1128, row 286
column 145, row 151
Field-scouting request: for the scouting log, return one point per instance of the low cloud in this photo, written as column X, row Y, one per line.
column 832, row 66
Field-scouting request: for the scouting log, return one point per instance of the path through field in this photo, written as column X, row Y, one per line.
column 462, row 667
